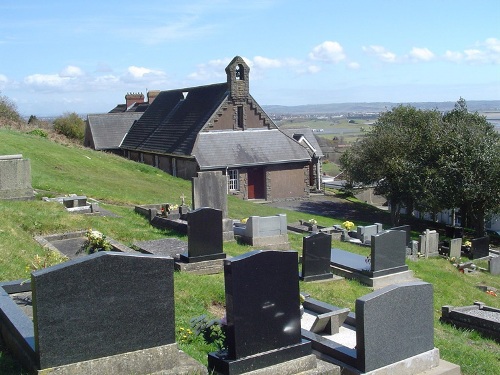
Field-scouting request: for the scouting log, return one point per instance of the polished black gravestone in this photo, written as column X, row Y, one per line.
column 205, row 239
column 388, row 254
column 105, row 304
column 407, row 230
column 316, row 251
column 480, row 247
column 263, row 315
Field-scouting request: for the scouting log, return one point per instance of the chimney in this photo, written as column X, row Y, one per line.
column 132, row 98
column 152, row 94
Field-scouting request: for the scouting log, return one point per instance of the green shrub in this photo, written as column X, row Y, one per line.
column 39, row 133
column 70, row 125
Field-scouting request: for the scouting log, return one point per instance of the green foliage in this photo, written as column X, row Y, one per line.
column 8, row 110
column 96, row 241
column 420, row 159
column 212, row 331
column 70, row 125
column 38, row 133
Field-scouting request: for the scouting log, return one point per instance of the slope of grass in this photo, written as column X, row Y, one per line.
column 119, row 184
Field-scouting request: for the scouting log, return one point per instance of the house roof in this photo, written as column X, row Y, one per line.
column 172, row 122
column 108, row 129
column 311, row 142
column 221, row 149
column 136, row 107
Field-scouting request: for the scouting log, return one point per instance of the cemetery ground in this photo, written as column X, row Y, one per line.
column 119, row 184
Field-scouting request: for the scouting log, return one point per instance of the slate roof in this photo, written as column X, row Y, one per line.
column 136, row 107
column 221, row 149
column 108, row 129
column 308, row 134
column 172, row 122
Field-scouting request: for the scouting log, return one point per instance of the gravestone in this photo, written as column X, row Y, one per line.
column 494, row 265
column 96, row 307
column 210, row 190
column 204, row 236
column 407, row 230
column 455, row 248
column 316, row 252
column 365, row 233
column 263, row 317
column 388, row 252
column 394, row 323
column 454, row 232
column 15, row 178
column 429, row 243
column 480, row 247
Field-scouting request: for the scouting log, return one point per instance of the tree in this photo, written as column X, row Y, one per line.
column 70, row 125
column 473, row 163
column 420, row 159
column 397, row 156
column 8, row 111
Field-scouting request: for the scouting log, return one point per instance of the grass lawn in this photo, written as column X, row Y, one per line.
column 119, row 184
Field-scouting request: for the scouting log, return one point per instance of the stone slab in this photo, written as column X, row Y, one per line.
column 165, row 359
column 171, row 247
column 207, row 267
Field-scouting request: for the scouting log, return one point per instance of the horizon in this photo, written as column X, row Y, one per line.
column 84, row 58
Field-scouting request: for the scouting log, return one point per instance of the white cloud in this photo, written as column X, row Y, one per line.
column 139, row 72
column 48, row 80
column 71, row 71
column 266, row 63
column 354, row 65
column 381, row 53
column 421, row 54
column 313, row 69
column 328, row 51
column 453, row 56
column 484, row 53
column 3, row 80
column 213, row 69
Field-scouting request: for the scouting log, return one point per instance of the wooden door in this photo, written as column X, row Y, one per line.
column 256, row 183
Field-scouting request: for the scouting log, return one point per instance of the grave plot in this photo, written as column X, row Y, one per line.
column 265, row 232
column 203, row 252
column 93, row 315
column 71, row 244
column 392, row 332
column 478, row 317
column 263, row 322
column 385, row 265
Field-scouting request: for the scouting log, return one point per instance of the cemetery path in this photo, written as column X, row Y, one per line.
column 338, row 208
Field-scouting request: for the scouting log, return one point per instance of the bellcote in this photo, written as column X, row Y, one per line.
column 238, row 78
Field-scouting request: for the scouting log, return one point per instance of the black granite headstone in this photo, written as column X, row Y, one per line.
column 480, row 247
column 316, row 253
column 407, row 230
column 101, row 305
column 394, row 323
column 263, row 315
column 388, row 252
column 205, row 240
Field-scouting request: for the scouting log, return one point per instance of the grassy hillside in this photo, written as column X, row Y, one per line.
column 119, row 184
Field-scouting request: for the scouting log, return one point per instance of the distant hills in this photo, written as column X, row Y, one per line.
column 376, row 107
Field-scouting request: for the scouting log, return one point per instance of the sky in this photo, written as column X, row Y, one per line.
column 59, row 56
